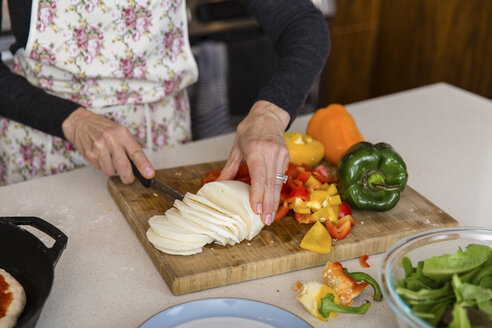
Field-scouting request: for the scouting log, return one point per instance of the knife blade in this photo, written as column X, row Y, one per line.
column 158, row 185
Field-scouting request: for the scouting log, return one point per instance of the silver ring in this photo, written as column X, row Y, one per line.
column 281, row 176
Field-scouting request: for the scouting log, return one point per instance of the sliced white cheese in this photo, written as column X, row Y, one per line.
column 175, row 216
column 233, row 196
column 206, row 220
column 232, row 221
column 174, row 252
column 166, row 228
column 171, row 244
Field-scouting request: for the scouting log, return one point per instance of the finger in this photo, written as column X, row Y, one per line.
column 272, row 184
column 106, row 164
column 137, row 155
column 232, row 165
column 257, row 171
column 282, row 163
column 121, row 164
column 84, row 145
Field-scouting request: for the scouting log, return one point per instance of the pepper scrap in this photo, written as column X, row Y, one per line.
column 335, row 128
column 361, row 276
column 328, row 306
column 303, row 149
column 311, row 295
column 363, row 261
column 345, row 287
column 371, row 176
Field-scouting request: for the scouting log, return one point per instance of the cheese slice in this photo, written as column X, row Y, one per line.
column 232, row 221
column 207, row 220
column 171, row 244
column 174, row 252
column 166, row 228
column 14, row 309
column 233, row 196
column 175, row 216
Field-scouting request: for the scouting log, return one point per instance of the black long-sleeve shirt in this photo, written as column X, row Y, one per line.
column 296, row 27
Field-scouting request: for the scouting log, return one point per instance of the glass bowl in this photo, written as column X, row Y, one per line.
column 418, row 247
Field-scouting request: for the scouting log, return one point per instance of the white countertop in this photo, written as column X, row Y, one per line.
column 105, row 278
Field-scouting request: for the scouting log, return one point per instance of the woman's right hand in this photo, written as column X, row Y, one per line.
column 106, row 145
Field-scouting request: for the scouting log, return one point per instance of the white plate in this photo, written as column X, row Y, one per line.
column 225, row 312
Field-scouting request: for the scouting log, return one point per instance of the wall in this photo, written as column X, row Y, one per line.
column 384, row 46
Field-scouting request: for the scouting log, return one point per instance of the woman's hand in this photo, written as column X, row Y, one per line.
column 260, row 142
column 106, row 145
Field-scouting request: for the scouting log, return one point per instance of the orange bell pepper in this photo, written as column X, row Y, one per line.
column 335, row 128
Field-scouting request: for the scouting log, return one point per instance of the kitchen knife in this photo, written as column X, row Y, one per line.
column 156, row 184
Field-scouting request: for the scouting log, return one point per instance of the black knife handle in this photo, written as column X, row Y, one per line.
column 146, row 182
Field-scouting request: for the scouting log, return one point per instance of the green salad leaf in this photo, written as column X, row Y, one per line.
column 441, row 268
column 457, row 285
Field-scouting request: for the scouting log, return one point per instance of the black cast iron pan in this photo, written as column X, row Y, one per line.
column 27, row 258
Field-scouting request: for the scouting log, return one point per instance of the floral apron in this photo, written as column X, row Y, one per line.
column 128, row 60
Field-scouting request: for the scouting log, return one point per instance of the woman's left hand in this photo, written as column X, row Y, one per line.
column 260, row 142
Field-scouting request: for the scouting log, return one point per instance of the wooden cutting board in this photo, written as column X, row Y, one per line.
column 276, row 249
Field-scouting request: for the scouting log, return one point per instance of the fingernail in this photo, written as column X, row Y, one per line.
column 148, row 171
column 259, row 208
column 268, row 219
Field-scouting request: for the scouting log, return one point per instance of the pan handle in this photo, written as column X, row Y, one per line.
column 60, row 238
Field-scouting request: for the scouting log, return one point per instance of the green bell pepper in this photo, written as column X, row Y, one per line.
column 371, row 177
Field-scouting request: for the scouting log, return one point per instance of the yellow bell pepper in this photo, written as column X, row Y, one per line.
column 303, row 149
column 317, row 239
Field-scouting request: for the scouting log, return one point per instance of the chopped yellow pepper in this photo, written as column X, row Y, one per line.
column 334, row 200
column 325, row 213
column 332, row 189
column 303, row 149
column 312, row 181
column 317, row 239
column 317, row 199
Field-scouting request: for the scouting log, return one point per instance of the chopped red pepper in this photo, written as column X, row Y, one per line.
column 306, row 167
column 294, row 183
column 363, row 261
column 298, row 192
column 321, row 169
column 341, row 228
column 292, row 171
column 282, row 211
column 242, row 172
column 303, row 176
column 344, row 210
column 345, row 287
column 303, row 218
column 208, row 179
column 321, row 178
column 213, row 173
